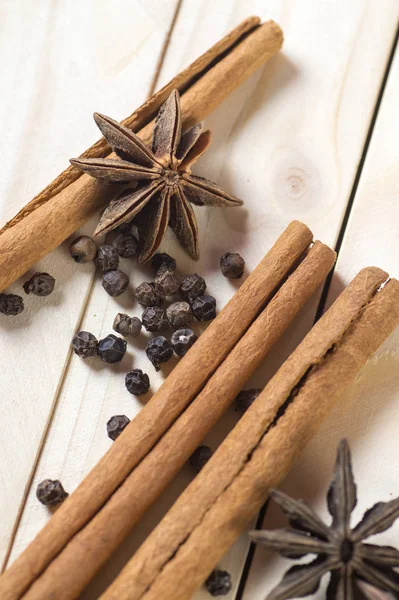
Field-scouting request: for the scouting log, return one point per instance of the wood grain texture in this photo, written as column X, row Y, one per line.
column 298, row 128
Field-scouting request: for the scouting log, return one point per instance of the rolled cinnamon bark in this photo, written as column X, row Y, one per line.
column 213, row 511
column 179, row 389
column 72, row 198
column 149, row 479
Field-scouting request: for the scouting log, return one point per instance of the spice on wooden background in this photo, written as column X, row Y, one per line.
column 116, row 425
column 83, row 249
column 182, row 340
column 232, row 265
column 40, row 284
column 137, row 382
column 51, row 492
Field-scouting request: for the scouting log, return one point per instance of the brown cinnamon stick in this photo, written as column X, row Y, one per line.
column 213, row 511
column 148, row 480
column 72, row 198
column 180, row 388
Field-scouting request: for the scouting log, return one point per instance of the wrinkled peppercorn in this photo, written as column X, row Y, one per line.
column 11, row 304
column 232, row 265
column 137, row 382
column 245, row 398
column 112, row 349
column 159, row 351
column 192, row 286
column 166, row 282
column 85, row 344
column 204, row 308
column 162, row 259
column 182, row 340
column 154, row 319
column 179, row 314
column 83, row 249
column 41, row 284
column 126, row 325
column 200, row 457
column 107, row 258
column 126, row 245
column 148, row 295
column 218, row 583
column 50, row 492
column 116, row 425
column 115, row 282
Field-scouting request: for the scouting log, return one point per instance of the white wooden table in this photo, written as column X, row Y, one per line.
column 309, row 137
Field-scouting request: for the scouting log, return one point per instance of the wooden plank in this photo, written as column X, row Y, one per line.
column 288, row 142
column 369, row 412
column 59, row 64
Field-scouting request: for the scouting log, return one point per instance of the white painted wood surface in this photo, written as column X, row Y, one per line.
column 288, row 142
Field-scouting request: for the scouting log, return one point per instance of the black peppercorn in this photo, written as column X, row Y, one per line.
column 126, row 245
column 112, row 349
column 107, row 258
column 218, row 583
column 148, row 295
column 154, row 319
column 115, row 282
column 83, row 249
column 200, row 457
column 41, row 284
column 159, row 351
column 232, row 265
column 137, row 382
column 204, row 308
column 50, row 492
column 182, row 340
column 11, row 304
column 192, row 286
column 245, row 398
column 85, row 344
column 124, row 227
column 179, row 314
column 126, row 325
column 116, row 425
column 166, row 282
column 162, row 259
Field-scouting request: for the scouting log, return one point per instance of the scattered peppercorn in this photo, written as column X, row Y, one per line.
column 115, row 282
column 166, row 282
column 245, row 398
column 218, row 583
column 40, row 284
column 192, row 286
column 83, row 249
column 50, row 492
column 204, row 308
column 200, row 457
column 112, row 349
column 148, row 295
column 158, row 351
column 126, row 325
column 232, row 265
column 107, row 258
column 137, row 382
column 154, row 319
column 179, row 314
column 182, row 340
column 11, row 304
column 162, row 259
column 116, row 425
column 126, row 245
column 85, row 344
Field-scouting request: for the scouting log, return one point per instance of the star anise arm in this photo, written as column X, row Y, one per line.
column 301, row 580
column 202, row 192
column 110, row 170
column 290, row 543
column 370, row 592
column 184, row 224
column 384, row 578
column 167, row 130
column 188, row 140
column 341, row 584
column 379, row 555
column 201, row 146
column 152, row 223
column 301, row 516
column 377, row 519
column 341, row 496
column 125, row 207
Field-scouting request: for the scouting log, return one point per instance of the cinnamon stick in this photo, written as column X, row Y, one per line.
column 179, row 389
column 149, row 479
column 72, row 198
column 213, row 511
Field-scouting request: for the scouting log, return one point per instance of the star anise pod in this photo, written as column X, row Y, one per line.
column 355, row 566
column 166, row 187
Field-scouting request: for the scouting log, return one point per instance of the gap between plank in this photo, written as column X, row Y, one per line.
column 57, row 393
